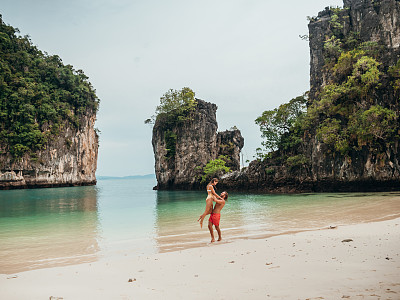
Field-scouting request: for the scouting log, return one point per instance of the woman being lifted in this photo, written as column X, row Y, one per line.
column 212, row 196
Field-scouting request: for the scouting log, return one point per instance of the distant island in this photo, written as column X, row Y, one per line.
column 148, row 176
column 188, row 149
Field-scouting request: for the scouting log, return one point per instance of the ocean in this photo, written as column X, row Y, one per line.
column 43, row 228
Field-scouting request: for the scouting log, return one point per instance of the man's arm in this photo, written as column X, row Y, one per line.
column 219, row 201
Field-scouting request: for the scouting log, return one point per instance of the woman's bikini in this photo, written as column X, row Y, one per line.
column 209, row 191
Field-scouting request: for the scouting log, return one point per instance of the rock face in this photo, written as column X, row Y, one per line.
column 68, row 160
column 363, row 170
column 376, row 21
column 197, row 142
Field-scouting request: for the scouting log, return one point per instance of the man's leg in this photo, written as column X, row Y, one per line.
column 219, row 232
column 210, row 227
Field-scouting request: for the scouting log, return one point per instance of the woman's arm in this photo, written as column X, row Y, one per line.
column 214, row 193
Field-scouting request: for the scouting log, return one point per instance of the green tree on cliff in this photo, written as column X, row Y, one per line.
column 175, row 105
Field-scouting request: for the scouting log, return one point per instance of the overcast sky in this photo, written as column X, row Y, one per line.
column 244, row 56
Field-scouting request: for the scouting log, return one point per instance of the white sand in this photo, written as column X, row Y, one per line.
column 307, row 265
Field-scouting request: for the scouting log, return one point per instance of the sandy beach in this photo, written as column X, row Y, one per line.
column 355, row 262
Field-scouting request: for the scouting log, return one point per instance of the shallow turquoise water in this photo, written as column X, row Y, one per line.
column 48, row 227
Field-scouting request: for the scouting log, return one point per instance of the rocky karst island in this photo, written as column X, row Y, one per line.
column 342, row 135
column 188, row 150
column 47, row 116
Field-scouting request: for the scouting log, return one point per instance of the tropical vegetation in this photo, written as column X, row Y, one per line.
column 39, row 95
column 348, row 112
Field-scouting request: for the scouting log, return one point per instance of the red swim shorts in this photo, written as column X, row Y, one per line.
column 214, row 219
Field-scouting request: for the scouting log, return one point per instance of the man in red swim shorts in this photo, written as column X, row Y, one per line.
column 215, row 216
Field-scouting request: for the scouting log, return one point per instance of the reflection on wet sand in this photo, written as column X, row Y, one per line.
column 261, row 216
column 176, row 220
column 47, row 228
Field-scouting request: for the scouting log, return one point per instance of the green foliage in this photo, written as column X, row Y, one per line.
column 335, row 23
column 372, row 49
column 394, row 73
column 351, row 40
column 180, row 102
column 297, row 161
column 377, row 124
column 269, row 171
column 227, row 148
column 333, row 48
column 170, row 142
column 344, row 115
column 344, row 65
column 261, row 154
column 39, row 95
column 215, row 168
column 176, row 106
column 365, row 73
column 356, row 77
column 331, row 133
column 275, row 124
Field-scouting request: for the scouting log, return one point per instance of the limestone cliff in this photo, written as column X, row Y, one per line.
column 47, row 115
column 363, row 168
column 196, row 143
column 68, row 160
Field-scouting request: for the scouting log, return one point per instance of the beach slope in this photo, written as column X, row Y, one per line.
column 355, row 262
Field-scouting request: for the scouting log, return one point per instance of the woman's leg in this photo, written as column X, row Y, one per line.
column 209, row 203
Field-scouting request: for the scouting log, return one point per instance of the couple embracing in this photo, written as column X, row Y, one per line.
column 214, row 211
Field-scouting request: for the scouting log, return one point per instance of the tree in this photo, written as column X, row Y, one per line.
column 215, row 168
column 274, row 124
column 175, row 104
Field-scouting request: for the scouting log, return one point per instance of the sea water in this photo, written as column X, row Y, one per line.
column 60, row 226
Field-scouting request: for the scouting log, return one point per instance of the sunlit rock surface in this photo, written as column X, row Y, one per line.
column 69, row 160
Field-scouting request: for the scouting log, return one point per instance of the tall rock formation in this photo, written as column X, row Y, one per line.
column 366, row 165
column 68, row 160
column 195, row 143
column 47, row 116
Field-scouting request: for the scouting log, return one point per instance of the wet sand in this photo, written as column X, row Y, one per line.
column 349, row 262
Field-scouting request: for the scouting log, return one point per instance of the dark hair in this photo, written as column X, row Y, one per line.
column 213, row 180
column 226, row 193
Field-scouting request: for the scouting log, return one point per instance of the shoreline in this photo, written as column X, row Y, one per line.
column 317, row 264
column 44, row 185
